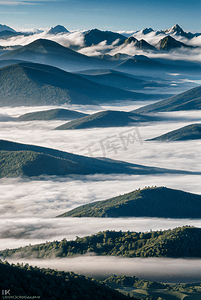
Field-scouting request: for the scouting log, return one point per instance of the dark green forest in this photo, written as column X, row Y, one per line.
column 25, row 280
column 177, row 243
column 160, row 202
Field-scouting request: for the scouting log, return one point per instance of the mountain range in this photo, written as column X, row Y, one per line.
column 37, row 84
column 155, row 202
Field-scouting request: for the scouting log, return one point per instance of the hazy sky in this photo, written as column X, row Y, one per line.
column 106, row 15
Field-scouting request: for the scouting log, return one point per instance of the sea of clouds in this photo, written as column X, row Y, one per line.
column 28, row 206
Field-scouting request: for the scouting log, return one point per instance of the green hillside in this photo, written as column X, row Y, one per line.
column 189, row 100
column 105, row 119
column 190, row 132
column 63, row 163
column 27, row 282
column 30, row 163
column 160, row 202
column 176, row 243
column 149, row 290
column 52, row 114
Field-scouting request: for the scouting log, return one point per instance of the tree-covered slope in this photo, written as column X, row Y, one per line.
column 176, row 243
column 190, row 132
column 189, row 100
column 52, row 114
column 160, row 202
column 149, row 290
column 105, row 119
column 27, row 282
column 30, row 163
column 32, row 84
column 80, row 164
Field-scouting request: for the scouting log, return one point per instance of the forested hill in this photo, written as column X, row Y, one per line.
column 179, row 242
column 160, row 202
column 26, row 281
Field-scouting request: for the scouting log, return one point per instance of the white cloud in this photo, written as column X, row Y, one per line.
column 154, row 269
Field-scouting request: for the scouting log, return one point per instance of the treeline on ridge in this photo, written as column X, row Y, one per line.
column 179, row 242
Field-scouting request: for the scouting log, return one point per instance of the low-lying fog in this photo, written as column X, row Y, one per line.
column 176, row 155
column 155, row 269
column 28, row 206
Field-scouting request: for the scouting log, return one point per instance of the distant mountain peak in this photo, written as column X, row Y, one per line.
column 168, row 43
column 147, row 30
column 5, row 27
column 175, row 29
column 58, row 29
column 130, row 40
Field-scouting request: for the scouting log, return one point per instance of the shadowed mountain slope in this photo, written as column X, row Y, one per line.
column 95, row 36
column 189, row 100
column 33, row 84
column 48, row 52
column 28, row 282
column 120, row 79
column 141, row 44
column 106, row 118
column 64, row 163
column 190, row 132
column 168, row 43
column 159, row 202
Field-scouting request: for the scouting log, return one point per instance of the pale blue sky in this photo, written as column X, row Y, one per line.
column 106, row 15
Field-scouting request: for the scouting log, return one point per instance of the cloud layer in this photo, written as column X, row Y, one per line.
column 155, row 269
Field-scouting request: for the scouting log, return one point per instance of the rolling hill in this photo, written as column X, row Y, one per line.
column 104, row 119
column 190, row 132
column 30, row 160
column 32, row 84
column 176, row 243
column 52, row 114
column 159, row 202
column 189, row 100
column 149, row 290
